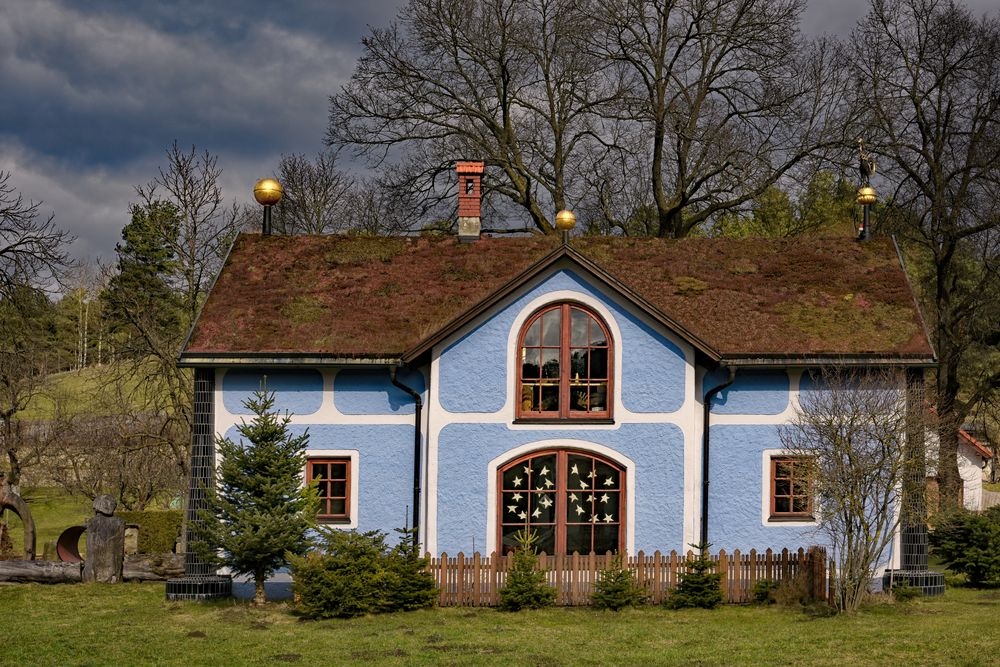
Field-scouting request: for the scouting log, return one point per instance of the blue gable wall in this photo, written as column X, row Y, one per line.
column 751, row 393
column 372, row 392
column 298, row 392
column 474, row 369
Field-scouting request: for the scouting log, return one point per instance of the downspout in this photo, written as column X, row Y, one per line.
column 418, row 405
column 706, row 447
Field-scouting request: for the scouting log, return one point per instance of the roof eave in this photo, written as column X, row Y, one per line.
column 217, row 359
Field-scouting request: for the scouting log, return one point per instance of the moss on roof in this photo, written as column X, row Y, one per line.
column 378, row 297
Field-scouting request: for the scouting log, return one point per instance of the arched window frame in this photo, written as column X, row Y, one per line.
column 561, row 492
column 566, row 381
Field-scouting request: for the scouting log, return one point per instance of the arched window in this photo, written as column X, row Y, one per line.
column 572, row 500
column 564, row 361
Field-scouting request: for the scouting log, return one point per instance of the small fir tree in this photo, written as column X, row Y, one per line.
column 698, row 587
column 526, row 587
column 259, row 511
column 616, row 588
column 410, row 585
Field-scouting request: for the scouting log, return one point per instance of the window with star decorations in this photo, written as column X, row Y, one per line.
column 564, row 360
column 573, row 501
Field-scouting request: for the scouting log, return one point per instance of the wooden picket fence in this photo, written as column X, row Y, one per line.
column 475, row 581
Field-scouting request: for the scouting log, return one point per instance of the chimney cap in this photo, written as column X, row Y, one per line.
column 469, row 166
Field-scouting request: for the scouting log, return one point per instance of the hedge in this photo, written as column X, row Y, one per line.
column 158, row 530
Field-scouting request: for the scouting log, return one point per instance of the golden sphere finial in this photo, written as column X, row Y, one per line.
column 267, row 191
column 866, row 195
column 565, row 220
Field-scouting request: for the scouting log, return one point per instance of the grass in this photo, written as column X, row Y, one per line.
column 133, row 624
column 53, row 511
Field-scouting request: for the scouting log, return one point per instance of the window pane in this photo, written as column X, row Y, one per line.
column 800, row 488
column 529, row 397
column 550, row 398
column 551, row 331
column 579, row 505
column 546, row 539
column 782, row 505
column 338, row 506
column 606, row 505
column 599, row 397
column 782, row 487
column 599, row 364
column 533, row 335
column 597, row 335
column 605, row 538
column 509, row 543
column 338, row 489
column 550, row 363
column 543, row 508
column 782, row 468
column 578, row 336
column 323, row 489
column 515, row 504
column 544, row 473
column 318, row 470
column 607, row 476
column 578, row 539
column 800, row 504
column 579, row 398
column 578, row 364
column 515, row 479
column 580, row 472
column 338, row 471
column 530, row 362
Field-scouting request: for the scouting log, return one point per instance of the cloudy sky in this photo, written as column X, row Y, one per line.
column 93, row 91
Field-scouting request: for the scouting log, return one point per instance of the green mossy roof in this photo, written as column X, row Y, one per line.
column 379, row 297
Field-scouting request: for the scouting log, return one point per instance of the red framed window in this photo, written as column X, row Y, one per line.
column 565, row 365
column 573, row 501
column 333, row 483
column 791, row 487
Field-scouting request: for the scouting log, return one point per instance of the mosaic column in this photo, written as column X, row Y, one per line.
column 200, row 582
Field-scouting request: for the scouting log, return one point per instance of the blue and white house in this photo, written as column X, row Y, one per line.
column 610, row 394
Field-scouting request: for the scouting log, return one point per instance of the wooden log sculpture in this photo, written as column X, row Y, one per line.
column 105, row 543
column 12, row 501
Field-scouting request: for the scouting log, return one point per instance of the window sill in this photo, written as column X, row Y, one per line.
column 564, row 422
column 333, row 521
column 792, row 518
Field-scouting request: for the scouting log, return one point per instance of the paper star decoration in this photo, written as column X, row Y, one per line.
column 527, row 470
column 609, row 482
column 573, row 497
column 516, row 497
column 574, row 470
column 523, row 515
column 605, row 498
column 594, row 519
column 583, row 484
column 517, row 481
column 579, row 510
column 592, row 474
column 608, row 518
column 544, row 470
column 590, row 498
column 548, row 483
column 512, row 509
column 537, row 513
column 545, row 502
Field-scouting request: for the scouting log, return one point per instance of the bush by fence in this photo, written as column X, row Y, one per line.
column 158, row 531
column 475, row 581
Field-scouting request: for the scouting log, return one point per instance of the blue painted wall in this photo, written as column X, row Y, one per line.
column 385, row 467
column 372, row 392
column 299, row 392
column 474, row 369
column 735, row 493
column 751, row 393
column 465, row 450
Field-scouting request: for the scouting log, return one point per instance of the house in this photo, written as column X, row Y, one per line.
column 476, row 386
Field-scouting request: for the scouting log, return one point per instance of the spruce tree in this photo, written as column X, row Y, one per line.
column 698, row 587
column 260, row 512
column 526, row 587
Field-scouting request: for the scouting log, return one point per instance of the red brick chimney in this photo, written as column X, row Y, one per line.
column 470, row 176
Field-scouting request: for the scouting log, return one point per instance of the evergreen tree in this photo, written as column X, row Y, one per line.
column 259, row 511
column 617, row 588
column 526, row 587
column 698, row 587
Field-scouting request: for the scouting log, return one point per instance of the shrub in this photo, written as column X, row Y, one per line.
column 616, row 588
column 158, row 531
column 904, row 592
column 969, row 543
column 526, row 587
column 698, row 587
column 764, row 591
column 357, row 573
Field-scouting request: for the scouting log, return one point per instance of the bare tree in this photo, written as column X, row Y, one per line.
column 929, row 79
column 725, row 97
column 851, row 429
column 501, row 80
column 316, row 195
column 32, row 248
column 190, row 182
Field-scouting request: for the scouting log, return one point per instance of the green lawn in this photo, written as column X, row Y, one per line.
column 132, row 624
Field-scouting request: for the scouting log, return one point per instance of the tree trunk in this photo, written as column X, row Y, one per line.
column 39, row 571
column 259, row 596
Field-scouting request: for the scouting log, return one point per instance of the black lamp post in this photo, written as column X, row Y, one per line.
column 267, row 192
